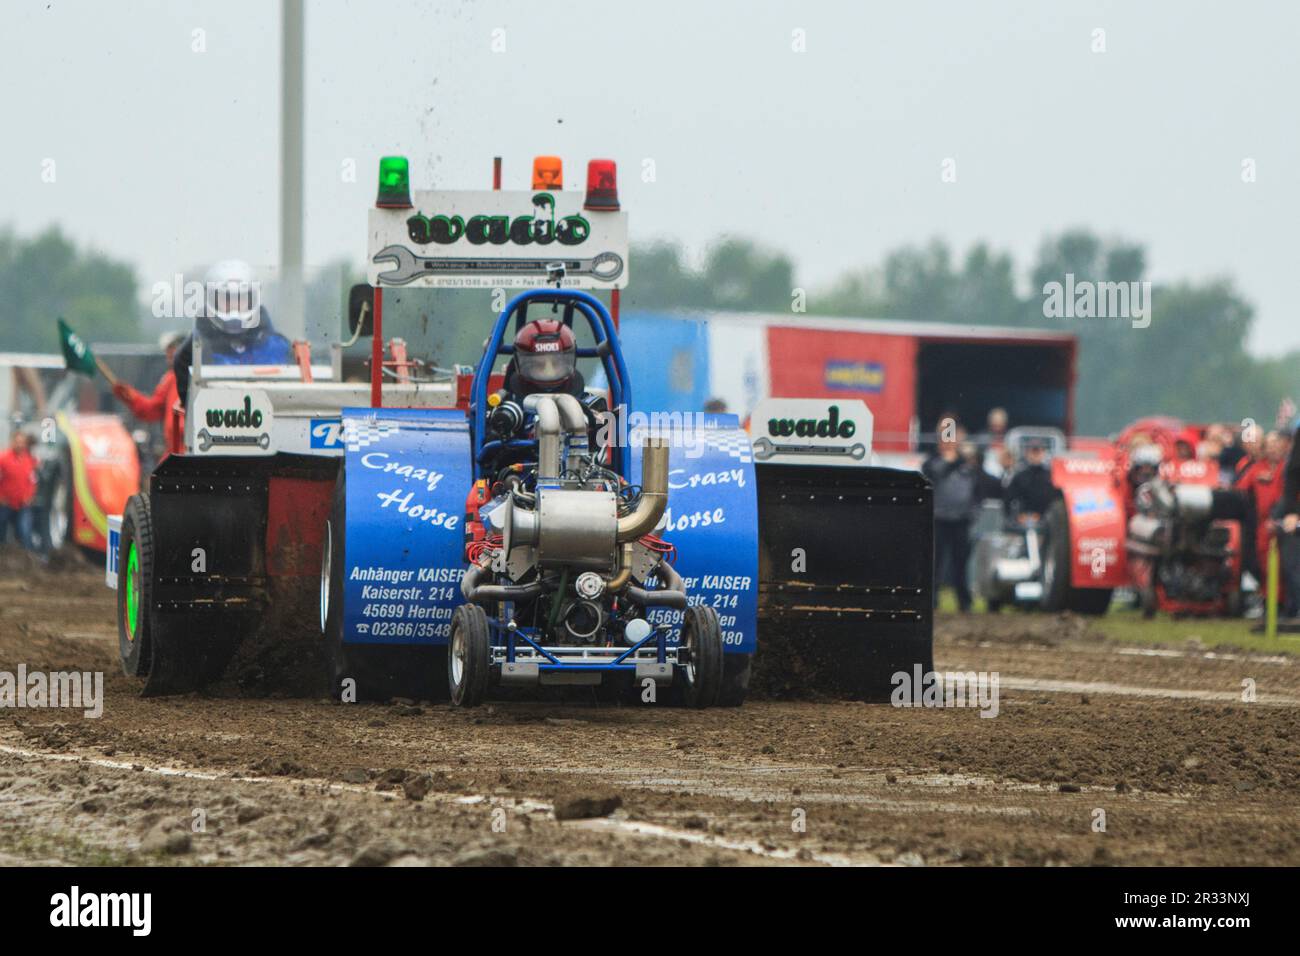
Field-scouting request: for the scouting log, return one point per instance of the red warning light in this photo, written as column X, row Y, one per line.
column 602, row 186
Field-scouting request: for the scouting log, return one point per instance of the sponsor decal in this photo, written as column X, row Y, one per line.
column 232, row 422
column 712, row 521
column 110, row 554
column 244, row 417
column 407, row 472
column 1092, row 504
column 829, row 426
column 850, row 376
column 541, row 227
column 326, row 433
column 1085, row 466
column 498, row 239
column 797, row 430
column 1190, row 470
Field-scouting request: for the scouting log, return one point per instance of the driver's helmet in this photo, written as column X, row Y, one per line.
column 546, row 353
column 1032, row 445
column 1144, row 462
column 233, row 297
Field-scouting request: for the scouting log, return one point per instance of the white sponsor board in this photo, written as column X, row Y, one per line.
column 497, row 239
column 110, row 553
column 812, row 431
column 231, row 421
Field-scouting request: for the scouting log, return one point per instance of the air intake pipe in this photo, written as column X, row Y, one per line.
column 561, row 422
column 548, row 436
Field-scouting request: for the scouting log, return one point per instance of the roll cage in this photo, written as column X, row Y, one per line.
column 607, row 349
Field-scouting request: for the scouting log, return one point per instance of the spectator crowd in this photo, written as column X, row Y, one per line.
column 1260, row 468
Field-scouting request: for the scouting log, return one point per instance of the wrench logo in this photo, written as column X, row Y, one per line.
column 607, row 266
column 207, row 440
column 765, row 448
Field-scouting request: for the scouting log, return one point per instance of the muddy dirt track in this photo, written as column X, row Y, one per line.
column 1184, row 771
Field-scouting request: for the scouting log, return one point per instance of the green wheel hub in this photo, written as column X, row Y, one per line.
column 132, row 590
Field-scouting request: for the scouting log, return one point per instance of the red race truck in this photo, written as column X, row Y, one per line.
column 1144, row 514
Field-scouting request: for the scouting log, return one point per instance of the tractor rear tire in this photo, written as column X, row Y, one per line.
column 338, row 668
column 469, row 656
column 702, row 676
column 1056, row 559
column 378, row 672
column 736, row 669
column 135, row 554
column 55, row 517
column 347, row 671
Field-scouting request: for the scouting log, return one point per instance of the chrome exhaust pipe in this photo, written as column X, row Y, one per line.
column 654, row 492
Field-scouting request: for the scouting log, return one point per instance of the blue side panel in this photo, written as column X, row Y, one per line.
column 408, row 471
column 668, row 360
column 712, row 519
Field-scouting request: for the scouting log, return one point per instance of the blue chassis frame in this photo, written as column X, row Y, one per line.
column 608, row 350
column 624, row 661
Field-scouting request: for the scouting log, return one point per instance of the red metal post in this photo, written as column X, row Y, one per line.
column 496, row 172
column 377, row 352
column 302, row 355
column 613, row 307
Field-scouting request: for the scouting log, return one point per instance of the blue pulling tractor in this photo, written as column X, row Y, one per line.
column 551, row 573
column 455, row 537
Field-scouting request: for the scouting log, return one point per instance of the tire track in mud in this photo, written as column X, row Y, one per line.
column 1121, row 690
column 1186, row 771
column 616, row 825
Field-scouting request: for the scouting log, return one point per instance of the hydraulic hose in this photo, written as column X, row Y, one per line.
column 477, row 593
column 672, row 594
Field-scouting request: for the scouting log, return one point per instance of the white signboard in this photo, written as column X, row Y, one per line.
column 812, row 431
column 498, row 239
column 231, row 421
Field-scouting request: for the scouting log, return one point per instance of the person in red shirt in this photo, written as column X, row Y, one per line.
column 164, row 405
column 1260, row 475
column 17, row 489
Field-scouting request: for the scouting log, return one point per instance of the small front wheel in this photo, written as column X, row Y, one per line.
column 702, row 672
column 469, row 656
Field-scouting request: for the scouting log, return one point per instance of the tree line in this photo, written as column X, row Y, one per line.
column 1190, row 360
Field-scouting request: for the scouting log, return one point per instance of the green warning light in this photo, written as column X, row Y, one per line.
column 394, row 183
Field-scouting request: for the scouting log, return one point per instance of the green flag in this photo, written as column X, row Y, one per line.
column 76, row 353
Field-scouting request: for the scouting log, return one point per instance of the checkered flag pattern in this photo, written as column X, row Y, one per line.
column 734, row 443
column 359, row 433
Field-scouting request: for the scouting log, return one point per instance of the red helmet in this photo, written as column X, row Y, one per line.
column 546, row 353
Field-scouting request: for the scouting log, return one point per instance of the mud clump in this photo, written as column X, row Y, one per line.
column 417, row 786
column 586, row 806
column 165, row 842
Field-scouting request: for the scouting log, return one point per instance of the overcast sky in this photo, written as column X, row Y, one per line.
column 167, row 157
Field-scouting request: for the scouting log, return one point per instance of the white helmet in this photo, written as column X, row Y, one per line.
column 1147, row 456
column 233, row 296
